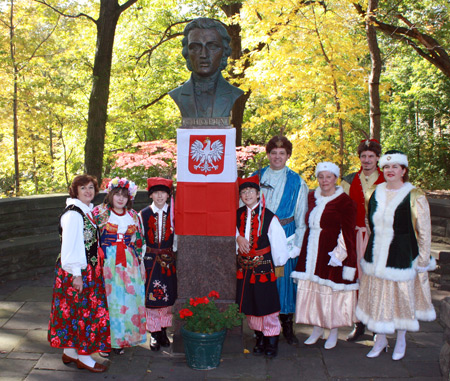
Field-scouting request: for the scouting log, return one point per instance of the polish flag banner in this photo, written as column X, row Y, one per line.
column 207, row 195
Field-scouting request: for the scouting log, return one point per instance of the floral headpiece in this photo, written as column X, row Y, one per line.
column 123, row 183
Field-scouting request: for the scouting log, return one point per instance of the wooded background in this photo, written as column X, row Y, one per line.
column 85, row 85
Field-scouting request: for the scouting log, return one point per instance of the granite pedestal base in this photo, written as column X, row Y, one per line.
column 204, row 263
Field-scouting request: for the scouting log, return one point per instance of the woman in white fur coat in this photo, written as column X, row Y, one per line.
column 326, row 267
column 394, row 287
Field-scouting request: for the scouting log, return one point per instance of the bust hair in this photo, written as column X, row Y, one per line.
column 79, row 181
column 369, row 145
column 124, row 192
column 279, row 142
column 206, row 23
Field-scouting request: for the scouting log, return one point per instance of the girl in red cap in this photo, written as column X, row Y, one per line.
column 159, row 260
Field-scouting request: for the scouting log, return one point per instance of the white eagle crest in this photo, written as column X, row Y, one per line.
column 206, row 155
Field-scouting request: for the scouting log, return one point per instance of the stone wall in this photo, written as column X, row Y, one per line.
column 440, row 219
column 29, row 238
column 444, row 357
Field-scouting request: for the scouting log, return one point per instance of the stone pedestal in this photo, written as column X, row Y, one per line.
column 444, row 357
column 204, row 263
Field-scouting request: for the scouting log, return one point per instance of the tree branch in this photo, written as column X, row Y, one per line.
column 43, row 2
column 38, row 46
column 144, row 107
column 425, row 45
column 166, row 36
column 127, row 5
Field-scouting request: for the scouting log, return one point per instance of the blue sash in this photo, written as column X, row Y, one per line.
column 287, row 289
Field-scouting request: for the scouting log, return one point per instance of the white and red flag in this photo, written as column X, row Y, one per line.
column 207, row 195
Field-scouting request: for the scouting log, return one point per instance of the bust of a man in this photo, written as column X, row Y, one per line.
column 206, row 48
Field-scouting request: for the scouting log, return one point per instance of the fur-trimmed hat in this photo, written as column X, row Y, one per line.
column 279, row 142
column 328, row 166
column 393, row 157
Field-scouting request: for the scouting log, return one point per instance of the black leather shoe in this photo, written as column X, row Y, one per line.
column 271, row 346
column 155, row 341
column 358, row 330
column 259, row 348
column 287, row 324
column 164, row 340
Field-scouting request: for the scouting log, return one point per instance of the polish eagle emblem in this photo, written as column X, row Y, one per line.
column 205, row 154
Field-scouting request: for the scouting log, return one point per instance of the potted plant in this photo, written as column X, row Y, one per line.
column 204, row 330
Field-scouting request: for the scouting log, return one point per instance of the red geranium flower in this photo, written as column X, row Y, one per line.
column 214, row 294
column 185, row 312
column 201, row 314
column 196, row 301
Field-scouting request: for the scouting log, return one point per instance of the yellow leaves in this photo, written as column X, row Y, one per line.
column 308, row 77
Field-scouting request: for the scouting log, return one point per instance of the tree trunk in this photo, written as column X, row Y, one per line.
column 16, row 134
column 237, row 116
column 234, row 30
column 98, row 101
column 14, row 101
column 374, row 79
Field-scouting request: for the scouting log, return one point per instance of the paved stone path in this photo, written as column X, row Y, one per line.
column 26, row 355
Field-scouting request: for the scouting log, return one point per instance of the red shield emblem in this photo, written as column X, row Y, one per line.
column 206, row 154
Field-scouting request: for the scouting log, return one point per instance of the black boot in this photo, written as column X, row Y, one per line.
column 155, row 340
column 258, row 350
column 358, row 330
column 288, row 328
column 164, row 340
column 271, row 346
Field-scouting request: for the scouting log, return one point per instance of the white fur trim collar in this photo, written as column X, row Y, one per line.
column 383, row 220
column 312, row 247
column 326, row 199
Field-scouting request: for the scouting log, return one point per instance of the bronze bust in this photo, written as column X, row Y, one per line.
column 206, row 48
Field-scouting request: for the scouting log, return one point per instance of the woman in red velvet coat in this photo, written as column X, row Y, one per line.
column 326, row 268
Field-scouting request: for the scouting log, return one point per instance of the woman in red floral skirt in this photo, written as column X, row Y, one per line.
column 79, row 320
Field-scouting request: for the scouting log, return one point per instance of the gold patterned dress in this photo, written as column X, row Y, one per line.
column 395, row 297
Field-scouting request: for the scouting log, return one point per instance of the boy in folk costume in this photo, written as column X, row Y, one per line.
column 262, row 245
column 360, row 186
column 159, row 260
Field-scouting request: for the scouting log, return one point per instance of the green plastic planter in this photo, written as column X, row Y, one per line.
column 203, row 350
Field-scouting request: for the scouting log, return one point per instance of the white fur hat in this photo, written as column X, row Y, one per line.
column 393, row 157
column 327, row 166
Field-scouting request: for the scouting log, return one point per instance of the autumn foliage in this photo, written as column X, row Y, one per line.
column 159, row 158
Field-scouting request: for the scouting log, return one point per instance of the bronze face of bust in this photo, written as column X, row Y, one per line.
column 206, row 48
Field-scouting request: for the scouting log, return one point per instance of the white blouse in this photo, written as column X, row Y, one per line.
column 122, row 222
column 73, row 252
column 164, row 209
